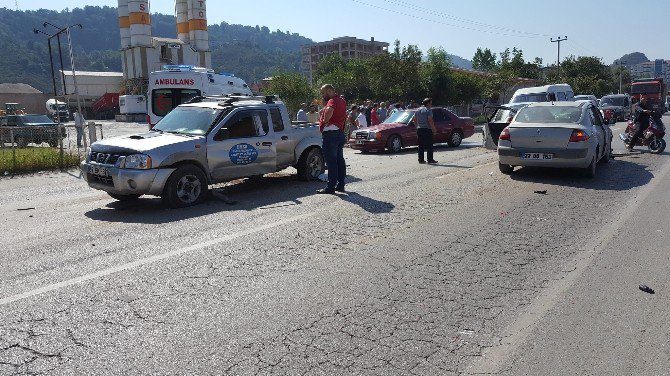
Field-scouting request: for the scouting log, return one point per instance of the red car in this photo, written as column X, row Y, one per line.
column 399, row 131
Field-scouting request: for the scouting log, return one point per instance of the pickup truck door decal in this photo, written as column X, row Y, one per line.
column 249, row 150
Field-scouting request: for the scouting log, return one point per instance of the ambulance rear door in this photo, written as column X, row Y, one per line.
column 170, row 89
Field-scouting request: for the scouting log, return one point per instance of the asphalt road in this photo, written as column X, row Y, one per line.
column 418, row 270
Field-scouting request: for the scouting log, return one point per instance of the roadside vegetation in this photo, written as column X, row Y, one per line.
column 406, row 74
column 34, row 159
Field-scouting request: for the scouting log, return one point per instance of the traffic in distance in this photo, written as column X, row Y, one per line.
column 208, row 140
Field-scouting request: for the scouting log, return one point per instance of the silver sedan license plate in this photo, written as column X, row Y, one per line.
column 537, row 156
column 100, row 171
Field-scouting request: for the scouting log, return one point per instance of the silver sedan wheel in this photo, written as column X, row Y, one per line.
column 189, row 189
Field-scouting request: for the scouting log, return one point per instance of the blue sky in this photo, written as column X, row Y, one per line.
column 600, row 28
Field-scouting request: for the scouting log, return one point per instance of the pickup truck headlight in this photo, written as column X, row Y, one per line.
column 88, row 154
column 137, row 162
column 372, row 135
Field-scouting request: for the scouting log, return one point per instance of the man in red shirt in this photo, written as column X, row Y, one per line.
column 331, row 124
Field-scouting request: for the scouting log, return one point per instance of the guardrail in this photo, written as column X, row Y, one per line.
column 39, row 148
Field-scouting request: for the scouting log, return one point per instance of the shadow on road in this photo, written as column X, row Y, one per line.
column 618, row 175
column 369, row 204
column 248, row 194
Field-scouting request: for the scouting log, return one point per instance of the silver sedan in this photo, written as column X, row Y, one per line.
column 556, row 134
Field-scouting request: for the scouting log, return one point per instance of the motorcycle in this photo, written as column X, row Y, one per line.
column 652, row 137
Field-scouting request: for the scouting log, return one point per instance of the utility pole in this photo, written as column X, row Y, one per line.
column 66, row 30
column 558, row 60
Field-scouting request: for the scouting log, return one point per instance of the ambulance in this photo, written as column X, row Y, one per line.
column 177, row 84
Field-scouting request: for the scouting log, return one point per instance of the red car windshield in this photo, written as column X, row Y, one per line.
column 402, row 117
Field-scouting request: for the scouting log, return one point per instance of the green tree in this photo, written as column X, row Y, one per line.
column 586, row 75
column 467, row 88
column 484, row 60
column 436, row 76
column 293, row 88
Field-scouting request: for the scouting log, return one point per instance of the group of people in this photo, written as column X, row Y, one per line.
column 311, row 115
column 336, row 124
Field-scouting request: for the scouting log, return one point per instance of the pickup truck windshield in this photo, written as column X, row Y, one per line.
column 188, row 120
column 402, row 117
column 547, row 114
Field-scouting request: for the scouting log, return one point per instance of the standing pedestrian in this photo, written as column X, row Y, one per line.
column 79, row 126
column 313, row 114
column 374, row 115
column 331, row 124
column 302, row 115
column 425, row 127
column 351, row 120
column 361, row 120
column 382, row 113
column 368, row 112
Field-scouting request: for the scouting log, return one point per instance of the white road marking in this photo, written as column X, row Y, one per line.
column 493, row 359
column 147, row 260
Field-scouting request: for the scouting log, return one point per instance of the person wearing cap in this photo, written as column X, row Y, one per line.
column 425, row 128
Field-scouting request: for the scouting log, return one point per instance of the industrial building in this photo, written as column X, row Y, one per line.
column 33, row 100
column 347, row 47
column 142, row 53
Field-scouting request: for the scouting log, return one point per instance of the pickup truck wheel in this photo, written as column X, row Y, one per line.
column 455, row 139
column 187, row 186
column 123, row 198
column 53, row 143
column 311, row 164
column 394, row 144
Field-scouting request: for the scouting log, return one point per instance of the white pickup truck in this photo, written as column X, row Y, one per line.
column 206, row 141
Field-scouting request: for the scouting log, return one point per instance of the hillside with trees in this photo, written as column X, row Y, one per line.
column 249, row 52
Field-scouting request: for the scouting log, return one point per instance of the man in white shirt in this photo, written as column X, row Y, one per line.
column 361, row 120
column 302, row 115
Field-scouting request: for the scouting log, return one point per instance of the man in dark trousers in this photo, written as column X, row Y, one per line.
column 331, row 123
column 641, row 113
column 425, row 127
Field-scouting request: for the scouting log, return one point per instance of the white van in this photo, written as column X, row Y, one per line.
column 177, row 84
column 547, row 93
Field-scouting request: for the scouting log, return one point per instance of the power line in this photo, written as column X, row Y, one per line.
column 443, row 23
column 465, row 20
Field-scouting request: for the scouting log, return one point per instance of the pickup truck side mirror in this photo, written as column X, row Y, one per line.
column 222, row 134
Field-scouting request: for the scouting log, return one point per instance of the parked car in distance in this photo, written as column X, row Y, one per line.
column 28, row 129
column 399, row 131
column 619, row 104
column 590, row 98
column 500, row 118
column 560, row 134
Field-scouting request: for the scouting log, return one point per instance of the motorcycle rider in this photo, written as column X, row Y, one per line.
column 642, row 116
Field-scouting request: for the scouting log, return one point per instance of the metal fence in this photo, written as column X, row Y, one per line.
column 40, row 148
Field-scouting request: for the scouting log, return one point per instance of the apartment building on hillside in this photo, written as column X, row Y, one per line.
column 347, row 47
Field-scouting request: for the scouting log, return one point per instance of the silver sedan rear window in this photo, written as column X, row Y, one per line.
column 549, row 114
